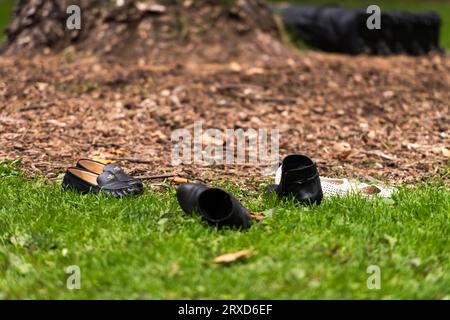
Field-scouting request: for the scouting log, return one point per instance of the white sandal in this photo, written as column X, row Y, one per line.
column 336, row 187
column 374, row 190
column 343, row 187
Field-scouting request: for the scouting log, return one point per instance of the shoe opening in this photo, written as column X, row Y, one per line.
column 296, row 161
column 215, row 205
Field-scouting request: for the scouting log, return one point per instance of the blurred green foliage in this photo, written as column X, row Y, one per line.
column 6, row 7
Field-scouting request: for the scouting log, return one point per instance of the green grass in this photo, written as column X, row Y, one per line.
column 6, row 7
column 442, row 7
column 146, row 248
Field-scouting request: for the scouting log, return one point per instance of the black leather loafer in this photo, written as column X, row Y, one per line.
column 85, row 181
column 216, row 206
column 98, row 168
column 300, row 179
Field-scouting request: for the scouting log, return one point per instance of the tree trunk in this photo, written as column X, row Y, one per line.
column 134, row 28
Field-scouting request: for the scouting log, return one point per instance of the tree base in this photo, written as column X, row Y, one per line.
column 130, row 28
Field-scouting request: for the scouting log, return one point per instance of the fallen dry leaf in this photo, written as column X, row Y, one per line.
column 343, row 149
column 382, row 155
column 104, row 161
column 236, row 67
column 446, row 152
column 232, row 257
column 159, row 134
column 370, row 190
column 413, row 146
column 258, row 216
column 42, row 86
column 149, row 7
column 254, row 71
column 174, row 269
column 179, row 180
column 388, row 94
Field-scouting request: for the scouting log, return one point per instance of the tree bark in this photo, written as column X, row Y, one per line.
column 136, row 27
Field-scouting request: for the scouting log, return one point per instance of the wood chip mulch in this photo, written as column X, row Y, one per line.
column 364, row 117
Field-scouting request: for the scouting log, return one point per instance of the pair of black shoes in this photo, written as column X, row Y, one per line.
column 299, row 179
column 93, row 176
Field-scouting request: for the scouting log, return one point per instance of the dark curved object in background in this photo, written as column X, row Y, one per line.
column 343, row 30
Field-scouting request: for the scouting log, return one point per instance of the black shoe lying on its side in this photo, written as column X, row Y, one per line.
column 216, row 206
column 300, row 179
column 85, row 182
column 99, row 167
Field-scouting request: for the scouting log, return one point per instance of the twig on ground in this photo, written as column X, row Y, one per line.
column 36, row 107
column 268, row 100
column 160, row 176
column 133, row 160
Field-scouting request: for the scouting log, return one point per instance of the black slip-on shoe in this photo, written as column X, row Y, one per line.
column 99, row 167
column 216, row 206
column 188, row 194
column 300, row 179
column 85, row 182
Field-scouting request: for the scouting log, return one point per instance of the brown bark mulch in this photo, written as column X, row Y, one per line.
column 365, row 117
